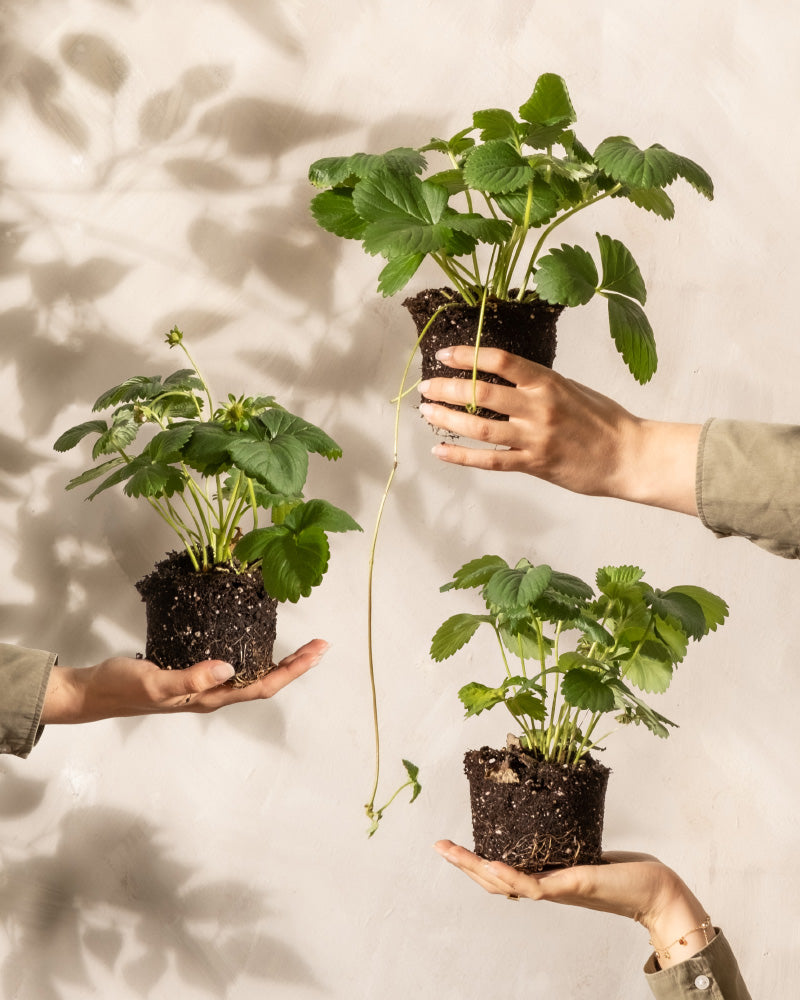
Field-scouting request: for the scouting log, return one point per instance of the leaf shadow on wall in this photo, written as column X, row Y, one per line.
column 55, row 340
column 111, row 898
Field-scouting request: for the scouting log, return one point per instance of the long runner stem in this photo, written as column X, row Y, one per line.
column 372, row 813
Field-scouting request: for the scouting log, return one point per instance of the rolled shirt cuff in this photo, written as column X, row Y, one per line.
column 748, row 483
column 24, row 674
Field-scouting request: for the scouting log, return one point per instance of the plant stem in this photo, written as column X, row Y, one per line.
column 237, row 503
column 554, row 700
column 445, row 264
column 253, row 505
column 175, row 525
column 557, row 222
column 589, row 730
column 521, row 656
column 383, row 808
column 206, row 387
column 523, row 232
column 200, row 499
column 370, row 805
column 502, row 650
column 472, row 407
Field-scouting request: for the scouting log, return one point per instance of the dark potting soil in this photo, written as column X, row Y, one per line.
column 215, row 615
column 534, row 814
column 524, row 328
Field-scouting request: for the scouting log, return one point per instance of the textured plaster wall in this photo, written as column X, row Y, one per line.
column 153, row 159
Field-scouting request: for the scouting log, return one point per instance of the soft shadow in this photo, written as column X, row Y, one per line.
column 113, row 893
column 269, row 21
column 19, row 796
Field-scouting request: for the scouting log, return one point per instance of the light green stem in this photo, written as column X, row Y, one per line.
column 589, row 730
column 370, row 805
column 473, row 405
column 553, row 225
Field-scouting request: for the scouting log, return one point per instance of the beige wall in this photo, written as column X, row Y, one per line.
column 154, row 161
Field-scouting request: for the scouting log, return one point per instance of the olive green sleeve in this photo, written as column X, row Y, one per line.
column 24, row 674
column 748, row 483
column 711, row 974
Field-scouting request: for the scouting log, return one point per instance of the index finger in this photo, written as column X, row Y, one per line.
column 494, row 876
column 289, row 669
column 515, row 369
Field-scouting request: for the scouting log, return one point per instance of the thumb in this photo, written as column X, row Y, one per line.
column 203, row 676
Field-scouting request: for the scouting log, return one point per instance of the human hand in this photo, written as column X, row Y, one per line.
column 632, row 885
column 563, row 432
column 122, row 686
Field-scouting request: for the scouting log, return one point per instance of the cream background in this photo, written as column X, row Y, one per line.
column 225, row 856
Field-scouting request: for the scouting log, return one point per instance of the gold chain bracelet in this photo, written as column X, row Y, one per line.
column 664, row 950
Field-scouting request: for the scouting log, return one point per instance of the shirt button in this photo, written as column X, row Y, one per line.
column 702, row 982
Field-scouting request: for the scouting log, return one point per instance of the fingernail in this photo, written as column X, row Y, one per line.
column 425, row 409
column 445, row 355
column 319, row 656
column 222, row 672
column 424, row 386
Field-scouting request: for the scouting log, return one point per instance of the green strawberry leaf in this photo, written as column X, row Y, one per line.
column 117, row 436
column 673, row 637
column 76, row 434
column 694, row 174
column 526, row 703
column 95, row 472
column 413, row 775
column 332, row 171
column 544, row 203
column 475, row 573
column 621, row 273
column 334, row 211
column 403, row 214
column 167, row 445
column 651, row 199
column 477, row 226
column 206, row 451
column 116, row 477
column 496, row 123
column 336, row 171
column 593, row 630
column 281, row 465
column 549, row 104
column 623, row 161
column 397, row 273
column 522, row 640
column 477, row 698
column 497, row 168
column 451, row 180
column 453, row 634
column 518, row 587
column 636, row 711
column 684, row 609
column 618, row 581
column 570, row 586
column 714, row 609
column 153, row 479
column 322, row 514
column 585, row 688
column 633, row 336
column 137, row 388
column 279, row 422
column 291, row 563
column 649, row 668
column 567, row 276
